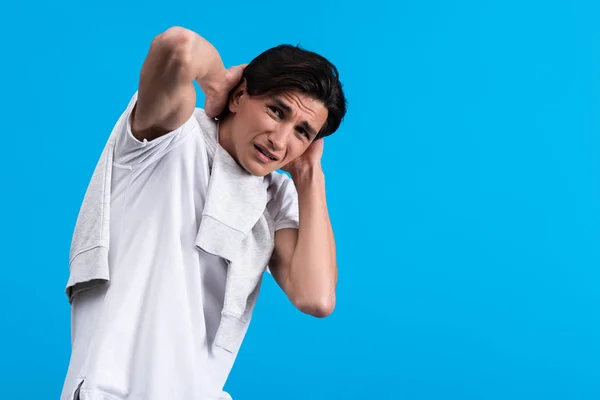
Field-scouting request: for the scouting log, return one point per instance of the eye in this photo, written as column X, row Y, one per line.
column 276, row 111
column 303, row 133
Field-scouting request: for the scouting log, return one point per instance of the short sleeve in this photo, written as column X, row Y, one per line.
column 283, row 205
column 129, row 151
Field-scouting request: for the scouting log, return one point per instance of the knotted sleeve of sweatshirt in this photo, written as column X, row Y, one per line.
column 88, row 261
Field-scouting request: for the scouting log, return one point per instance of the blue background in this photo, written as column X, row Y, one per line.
column 463, row 188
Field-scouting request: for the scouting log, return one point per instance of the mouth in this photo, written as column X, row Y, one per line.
column 268, row 156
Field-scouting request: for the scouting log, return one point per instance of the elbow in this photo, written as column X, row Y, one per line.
column 174, row 39
column 318, row 307
column 174, row 46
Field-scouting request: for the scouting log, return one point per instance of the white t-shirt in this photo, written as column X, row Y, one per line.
column 147, row 334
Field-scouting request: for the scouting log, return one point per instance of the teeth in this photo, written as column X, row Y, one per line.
column 261, row 150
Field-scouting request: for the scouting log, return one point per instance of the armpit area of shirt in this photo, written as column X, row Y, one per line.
column 130, row 152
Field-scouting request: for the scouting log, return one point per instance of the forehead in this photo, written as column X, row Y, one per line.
column 300, row 100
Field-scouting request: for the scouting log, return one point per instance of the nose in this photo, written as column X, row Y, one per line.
column 278, row 137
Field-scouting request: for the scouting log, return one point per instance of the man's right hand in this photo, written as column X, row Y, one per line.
column 166, row 93
column 217, row 93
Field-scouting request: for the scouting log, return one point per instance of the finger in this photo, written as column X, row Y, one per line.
column 318, row 144
column 319, row 147
column 237, row 69
column 234, row 75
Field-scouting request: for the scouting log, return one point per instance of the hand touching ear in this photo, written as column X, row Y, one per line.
column 311, row 158
column 217, row 93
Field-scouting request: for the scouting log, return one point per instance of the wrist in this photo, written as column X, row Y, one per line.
column 211, row 83
column 210, row 71
column 307, row 174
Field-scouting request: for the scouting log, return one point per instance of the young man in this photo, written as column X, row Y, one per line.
column 192, row 210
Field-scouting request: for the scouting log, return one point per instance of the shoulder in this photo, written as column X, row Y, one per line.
column 200, row 115
column 279, row 184
column 208, row 126
column 282, row 200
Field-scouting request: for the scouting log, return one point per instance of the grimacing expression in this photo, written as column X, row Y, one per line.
column 271, row 130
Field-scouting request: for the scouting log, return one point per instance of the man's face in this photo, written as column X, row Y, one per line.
column 270, row 131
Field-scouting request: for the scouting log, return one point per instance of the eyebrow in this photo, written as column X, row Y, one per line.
column 285, row 107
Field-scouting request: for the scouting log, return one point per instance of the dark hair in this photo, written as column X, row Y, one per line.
column 290, row 68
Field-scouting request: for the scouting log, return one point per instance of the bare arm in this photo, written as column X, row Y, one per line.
column 166, row 93
column 304, row 259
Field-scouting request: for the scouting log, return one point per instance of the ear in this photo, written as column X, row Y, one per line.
column 236, row 97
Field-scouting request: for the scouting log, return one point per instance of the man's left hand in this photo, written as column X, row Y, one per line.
column 310, row 159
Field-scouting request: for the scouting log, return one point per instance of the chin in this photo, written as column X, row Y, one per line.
column 256, row 169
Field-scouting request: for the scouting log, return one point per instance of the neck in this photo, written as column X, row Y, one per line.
column 225, row 137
